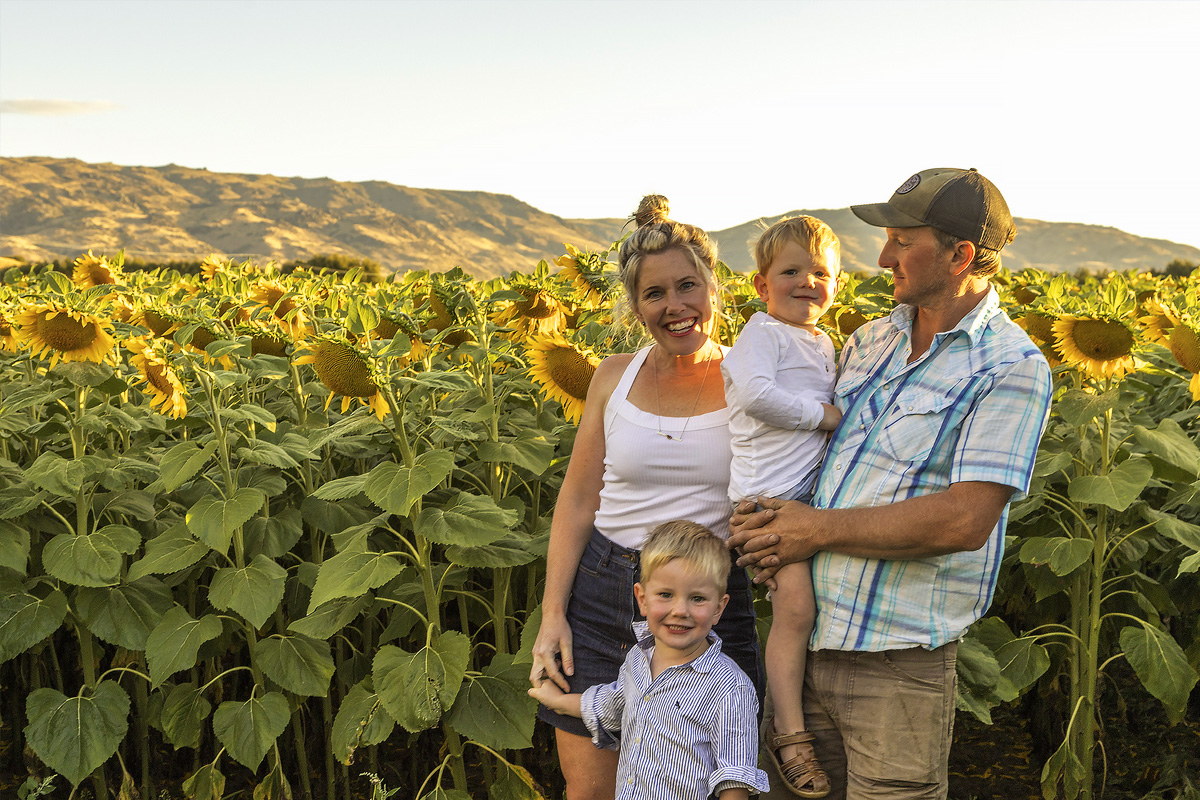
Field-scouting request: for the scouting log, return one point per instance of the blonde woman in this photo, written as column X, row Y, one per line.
column 652, row 446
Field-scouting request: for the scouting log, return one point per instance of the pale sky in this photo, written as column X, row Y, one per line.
column 1079, row 111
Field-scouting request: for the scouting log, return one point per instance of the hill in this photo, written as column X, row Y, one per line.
column 52, row 208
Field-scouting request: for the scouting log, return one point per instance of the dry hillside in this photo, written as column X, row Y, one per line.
column 53, row 208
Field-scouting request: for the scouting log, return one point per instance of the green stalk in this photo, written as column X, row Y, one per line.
column 454, row 746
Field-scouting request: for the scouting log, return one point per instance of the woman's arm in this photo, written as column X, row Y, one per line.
column 574, row 515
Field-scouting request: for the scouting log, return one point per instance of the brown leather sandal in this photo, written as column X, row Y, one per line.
column 802, row 776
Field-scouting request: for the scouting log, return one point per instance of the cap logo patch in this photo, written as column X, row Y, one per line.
column 909, row 185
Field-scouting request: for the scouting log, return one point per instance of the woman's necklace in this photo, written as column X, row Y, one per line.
column 695, row 405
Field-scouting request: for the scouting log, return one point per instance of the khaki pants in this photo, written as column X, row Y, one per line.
column 883, row 722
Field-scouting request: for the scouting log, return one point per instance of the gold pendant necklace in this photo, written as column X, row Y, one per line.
column 695, row 405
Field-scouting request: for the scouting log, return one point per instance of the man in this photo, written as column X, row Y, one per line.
column 943, row 405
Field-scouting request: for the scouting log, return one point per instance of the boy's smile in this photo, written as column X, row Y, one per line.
column 681, row 605
column 799, row 287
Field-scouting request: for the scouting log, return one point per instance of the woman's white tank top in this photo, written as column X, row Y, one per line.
column 650, row 479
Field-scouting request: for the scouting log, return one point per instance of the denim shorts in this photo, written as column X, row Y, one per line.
column 602, row 610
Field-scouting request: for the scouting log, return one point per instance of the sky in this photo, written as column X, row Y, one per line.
column 1079, row 111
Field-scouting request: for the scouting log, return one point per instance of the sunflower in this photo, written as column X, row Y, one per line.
column 8, row 339
column 1160, row 319
column 212, row 266
column 93, row 270
column 1039, row 326
column 264, row 342
column 345, row 371
column 564, row 371
column 586, row 272
column 1101, row 346
column 162, row 381
column 64, row 333
column 539, row 314
column 160, row 322
column 1184, row 344
column 389, row 326
column 288, row 313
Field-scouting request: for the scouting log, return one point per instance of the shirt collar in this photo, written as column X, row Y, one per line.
column 645, row 640
column 972, row 325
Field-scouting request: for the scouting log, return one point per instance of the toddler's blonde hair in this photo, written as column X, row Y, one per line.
column 809, row 232
column 692, row 542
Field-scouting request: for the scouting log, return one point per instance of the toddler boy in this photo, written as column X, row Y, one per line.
column 779, row 379
column 681, row 712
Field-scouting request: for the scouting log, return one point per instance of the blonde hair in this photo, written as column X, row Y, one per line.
column 657, row 233
column 693, row 543
column 809, row 232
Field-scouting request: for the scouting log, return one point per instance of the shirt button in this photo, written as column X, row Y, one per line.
column 630, row 781
column 839, row 466
column 910, row 408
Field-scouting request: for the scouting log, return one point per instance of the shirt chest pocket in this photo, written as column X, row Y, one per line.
column 915, row 423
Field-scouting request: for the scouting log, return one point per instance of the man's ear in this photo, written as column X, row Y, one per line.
column 963, row 258
column 640, row 594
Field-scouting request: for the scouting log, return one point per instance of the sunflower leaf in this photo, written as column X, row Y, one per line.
column 74, row 735
column 213, row 521
column 183, row 714
column 361, row 721
column 124, row 615
column 351, row 573
column 466, row 520
column 183, row 461
column 249, row 729
column 91, row 559
column 170, row 551
column 1078, row 407
column 26, row 619
column 175, row 641
column 1172, row 444
column 253, row 591
column 494, row 708
column 395, row 488
column 1061, row 554
column 1118, row 489
column 14, row 547
column 420, row 687
column 299, row 664
column 1161, row 665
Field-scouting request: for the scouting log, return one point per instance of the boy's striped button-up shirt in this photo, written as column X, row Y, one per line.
column 972, row 408
column 688, row 734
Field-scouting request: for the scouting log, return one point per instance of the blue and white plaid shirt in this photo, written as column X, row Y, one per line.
column 972, row 408
column 688, row 734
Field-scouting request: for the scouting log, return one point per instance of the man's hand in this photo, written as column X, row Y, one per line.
column 767, row 539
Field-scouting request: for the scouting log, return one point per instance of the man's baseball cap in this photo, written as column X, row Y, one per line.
column 960, row 202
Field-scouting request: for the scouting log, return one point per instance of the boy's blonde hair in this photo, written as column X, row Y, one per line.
column 809, row 232
column 692, row 542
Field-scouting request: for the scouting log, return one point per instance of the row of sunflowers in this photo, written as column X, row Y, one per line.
column 279, row 524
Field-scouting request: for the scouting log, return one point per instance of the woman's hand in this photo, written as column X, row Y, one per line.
column 552, row 647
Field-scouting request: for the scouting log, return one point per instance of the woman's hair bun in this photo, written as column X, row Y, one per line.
column 653, row 208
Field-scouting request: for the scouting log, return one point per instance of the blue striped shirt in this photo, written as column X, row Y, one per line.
column 972, row 408
column 688, row 734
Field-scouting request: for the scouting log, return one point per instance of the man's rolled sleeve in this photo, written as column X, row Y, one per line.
column 601, row 707
column 999, row 439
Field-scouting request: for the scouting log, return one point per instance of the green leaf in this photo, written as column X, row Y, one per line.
column 64, row 478
column 1173, row 527
column 1078, row 407
column 352, row 572
column 466, row 519
column 206, row 783
column 183, row 715
column 175, row 641
column 74, row 735
column 1022, row 661
column 514, row 783
column 14, row 547
column 976, row 664
column 341, row 488
column 83, row 373
column 260, row 452
column 1161, row 665
column 395, row 488
column 445, row 794
column 531, row 450
column 331, row 617
column 1050, row 463
column 17, row 500
column 169, row 552
column 420, row 687
column 301, row 665
column 495, row 708
column 124, row 615
column 275, row 536
column 26, row 619
column 529, row 633
column 1172, row 444
column 91, row 559
column 361, row 721
column 1118, row 489
column 254, row 591
column 183, row 461
column 1064, row 766
column 213, row 521
column 507, row 552
column 249, row 729
column 1061, row 554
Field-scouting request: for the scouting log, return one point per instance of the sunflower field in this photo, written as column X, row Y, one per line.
column 265, row 534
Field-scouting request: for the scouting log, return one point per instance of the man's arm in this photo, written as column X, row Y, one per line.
column 955, row 520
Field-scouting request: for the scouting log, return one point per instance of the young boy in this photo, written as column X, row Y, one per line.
column 682, row 713
column 779, row 379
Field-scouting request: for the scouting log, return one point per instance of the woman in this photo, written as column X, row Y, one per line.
column 652, row 446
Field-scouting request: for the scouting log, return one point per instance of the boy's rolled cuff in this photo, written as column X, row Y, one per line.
column 603, row 737
column 735, row 777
